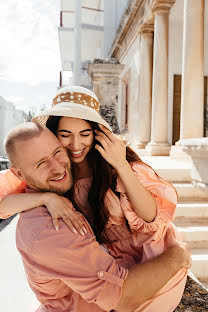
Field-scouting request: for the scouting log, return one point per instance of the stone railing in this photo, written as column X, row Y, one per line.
column 197, row 149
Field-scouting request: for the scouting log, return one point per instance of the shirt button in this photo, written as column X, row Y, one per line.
column 101, row 274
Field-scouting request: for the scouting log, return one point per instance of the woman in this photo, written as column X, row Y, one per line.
column 128, row 206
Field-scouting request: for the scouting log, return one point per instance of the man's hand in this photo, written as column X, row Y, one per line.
column 60, row 207
column 180, row 250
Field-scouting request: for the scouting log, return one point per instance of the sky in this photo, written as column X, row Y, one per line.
column 29, row 54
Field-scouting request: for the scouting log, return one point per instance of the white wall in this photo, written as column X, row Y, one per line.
column 176, row 50
column 175, row 55
column 206, row 40
column 9, row 117
column 67, row 5
column 131, row 62
column 113, row 11
column 91, row 33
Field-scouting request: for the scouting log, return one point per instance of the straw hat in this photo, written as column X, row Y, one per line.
column 76, row 102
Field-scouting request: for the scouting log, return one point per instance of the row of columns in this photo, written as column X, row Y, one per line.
column 153, row 99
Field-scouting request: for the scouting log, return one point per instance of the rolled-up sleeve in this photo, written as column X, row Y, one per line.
column 9, row 184
column 163, row 192
column 80, row 263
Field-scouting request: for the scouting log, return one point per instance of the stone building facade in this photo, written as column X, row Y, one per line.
column 9, row 117
column 163, row 89
column 87, row 29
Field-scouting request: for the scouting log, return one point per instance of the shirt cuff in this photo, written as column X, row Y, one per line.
column 112, row 291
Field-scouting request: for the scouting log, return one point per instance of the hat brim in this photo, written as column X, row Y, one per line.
column 74, row 110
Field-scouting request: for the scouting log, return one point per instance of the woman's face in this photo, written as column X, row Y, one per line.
column 76, row 135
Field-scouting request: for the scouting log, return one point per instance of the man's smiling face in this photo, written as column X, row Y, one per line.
column 43, row 163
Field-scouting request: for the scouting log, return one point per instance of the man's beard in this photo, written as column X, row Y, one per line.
column 33, row 184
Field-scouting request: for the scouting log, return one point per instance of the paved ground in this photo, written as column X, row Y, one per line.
column 15, row 294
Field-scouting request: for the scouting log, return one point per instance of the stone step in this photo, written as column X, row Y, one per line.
column 189, row 211
column 187, row 191
column 174, row 174
column 169, row 169
column 195, row 235
column 200, row 264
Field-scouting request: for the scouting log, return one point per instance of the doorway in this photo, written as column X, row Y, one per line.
column 177, row 108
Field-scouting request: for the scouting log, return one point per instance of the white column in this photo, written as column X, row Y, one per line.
column 192, row 98
column 77, row 43
column 145, row 89
column 192, row 95
column 159, row 131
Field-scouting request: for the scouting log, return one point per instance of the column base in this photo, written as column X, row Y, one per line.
column 140, row 151
column 141, row 145
column 177, row 153
column 157, row 149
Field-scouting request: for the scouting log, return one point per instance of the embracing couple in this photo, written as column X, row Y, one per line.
column 114, row 247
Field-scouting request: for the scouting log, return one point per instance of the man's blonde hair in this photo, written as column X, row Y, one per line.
column 22, row 132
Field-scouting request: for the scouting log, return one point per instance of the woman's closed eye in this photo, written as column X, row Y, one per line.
column 85, row 135
column 63, row 136
column 68, row 136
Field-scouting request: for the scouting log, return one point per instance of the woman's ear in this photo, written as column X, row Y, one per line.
column 17, row 173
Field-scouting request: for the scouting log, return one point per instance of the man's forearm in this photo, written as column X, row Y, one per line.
column 145, row 279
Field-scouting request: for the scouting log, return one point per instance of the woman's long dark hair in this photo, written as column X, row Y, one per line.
column 104, row 178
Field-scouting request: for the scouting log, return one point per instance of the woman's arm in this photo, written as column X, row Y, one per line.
column 15, row 203
column 113, row 151
column 58, row 207
column 143, row 203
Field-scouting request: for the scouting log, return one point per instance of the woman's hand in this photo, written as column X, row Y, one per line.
column 60, row 207
column 112, row 150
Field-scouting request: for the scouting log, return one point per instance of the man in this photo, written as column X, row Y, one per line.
column 67, row 271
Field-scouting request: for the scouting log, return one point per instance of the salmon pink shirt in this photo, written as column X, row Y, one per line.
column 144, row 241
column 67, row 271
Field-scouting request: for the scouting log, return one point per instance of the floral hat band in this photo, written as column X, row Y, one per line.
column 75, row 102
column 78, row 98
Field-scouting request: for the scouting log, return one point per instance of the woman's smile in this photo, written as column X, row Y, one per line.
column 76, row 154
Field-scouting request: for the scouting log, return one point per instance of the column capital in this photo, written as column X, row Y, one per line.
column 146, row 30
column 105, row 69
column 162, row 6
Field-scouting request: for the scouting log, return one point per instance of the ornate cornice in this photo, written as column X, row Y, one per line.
column 162, row 5
column 126, row 22
column 137, row 19
column 138, row 12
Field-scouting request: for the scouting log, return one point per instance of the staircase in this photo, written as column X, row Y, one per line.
column 191, row 213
